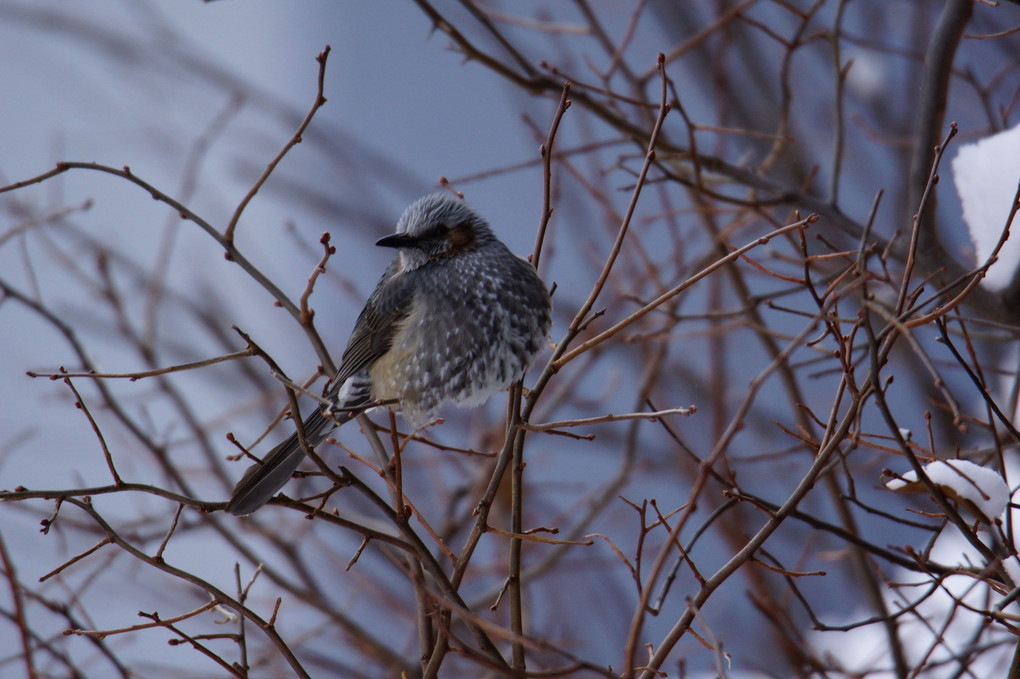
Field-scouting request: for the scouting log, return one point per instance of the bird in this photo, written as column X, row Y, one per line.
column 456, row 317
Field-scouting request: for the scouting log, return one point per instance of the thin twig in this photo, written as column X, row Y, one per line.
column 62, row 374
column 320, row 99
column 546, row 151
column 583, row 422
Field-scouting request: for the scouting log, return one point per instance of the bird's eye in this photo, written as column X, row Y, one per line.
column 439, row 231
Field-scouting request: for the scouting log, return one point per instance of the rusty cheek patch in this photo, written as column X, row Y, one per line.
column 461, row 236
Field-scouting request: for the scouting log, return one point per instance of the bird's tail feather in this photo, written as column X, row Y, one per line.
column 265, row 478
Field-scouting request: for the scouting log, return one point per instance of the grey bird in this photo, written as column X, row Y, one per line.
column 456, row 317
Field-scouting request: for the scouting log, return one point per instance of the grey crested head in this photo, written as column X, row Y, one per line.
column 436, row 226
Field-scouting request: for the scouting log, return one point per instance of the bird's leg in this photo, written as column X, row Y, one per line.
column 345, row 413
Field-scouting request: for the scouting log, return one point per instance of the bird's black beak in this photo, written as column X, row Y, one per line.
column 397, row 240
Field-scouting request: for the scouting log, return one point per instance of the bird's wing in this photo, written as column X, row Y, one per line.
column 390, row 303
column 373, row 334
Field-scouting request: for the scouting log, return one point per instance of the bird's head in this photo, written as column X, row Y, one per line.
column 436, row 227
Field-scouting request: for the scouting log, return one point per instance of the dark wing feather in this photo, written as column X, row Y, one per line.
column 377, row 325
column 372, row 337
